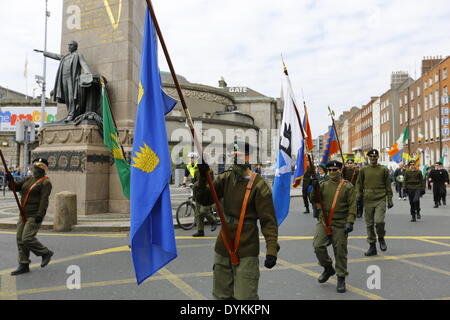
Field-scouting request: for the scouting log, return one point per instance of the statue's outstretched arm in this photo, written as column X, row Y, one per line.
column 50, row 54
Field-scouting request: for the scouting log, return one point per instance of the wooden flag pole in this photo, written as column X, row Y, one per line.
column 22, row 214
column 225, row 230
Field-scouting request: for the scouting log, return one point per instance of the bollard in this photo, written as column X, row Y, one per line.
column 66, row 211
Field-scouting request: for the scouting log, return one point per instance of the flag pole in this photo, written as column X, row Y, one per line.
column 225, row 230
column 335, row 132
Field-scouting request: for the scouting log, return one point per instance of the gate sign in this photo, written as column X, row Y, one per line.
column 9, row 116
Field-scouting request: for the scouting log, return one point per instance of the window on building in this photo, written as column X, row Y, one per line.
column 445, row 91
column 412, row 112
column 418, row 109
column 436, row 127
column 401, row 118
column 436, row 77
column 418, row 91
column 425, row 84
column 431, row 129
column 436, row 98
column 412, row 135
column 411, row 94
column 430, row 82
column 430, row 101
column 405, row 99
column 406, row 116
column 401, row 102
column 425, row 104
column 444, row 73
column 426, row 130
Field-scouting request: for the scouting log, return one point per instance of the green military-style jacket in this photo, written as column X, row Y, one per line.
column 345, row 209
column 350, row 174
column 37, row 203
column 413, row 180
column 230, row 186
column 374, row 184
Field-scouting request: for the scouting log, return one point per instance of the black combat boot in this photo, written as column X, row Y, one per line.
column 436, row 204
column 326, row 274
column 418, row 214
column 199, row 234
column 341, row 285
column 46, row 258
column 213, row 226
column 413, row 214
column 23, row 268
column 372, row 250
column 383, row 246
column 444, row 201
column 306, row 211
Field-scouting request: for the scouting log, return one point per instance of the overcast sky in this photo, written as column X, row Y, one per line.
column 340, row 53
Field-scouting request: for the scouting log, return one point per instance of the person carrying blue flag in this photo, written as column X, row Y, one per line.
column 247, row 198
column 152, row 232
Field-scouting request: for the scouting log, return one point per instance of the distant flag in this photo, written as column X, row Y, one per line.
column 396, row 151
column 420, row 135
column 290, row 143
column 307, row 127
column 111, row 140
column 331, row 146
column 25, row 71
column 302, row 161
column 152, row 232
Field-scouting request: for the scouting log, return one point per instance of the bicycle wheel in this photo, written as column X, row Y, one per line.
column 186, row 215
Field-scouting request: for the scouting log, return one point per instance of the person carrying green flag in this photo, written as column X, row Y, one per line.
column 111, row 140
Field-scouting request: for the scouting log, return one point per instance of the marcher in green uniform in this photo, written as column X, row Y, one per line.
column 374, row 186
column 35, row 191
column 338, row 200
column 414, row 184
column 241, row 281
column 350, row 173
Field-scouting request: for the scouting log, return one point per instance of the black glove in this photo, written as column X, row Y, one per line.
column 38, row 219
column 270, row 261
column 422, row 192
column 203, row 168
column 348, row 227
column 390, row 204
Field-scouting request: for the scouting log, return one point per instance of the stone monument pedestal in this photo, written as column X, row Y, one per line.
column 79, row 162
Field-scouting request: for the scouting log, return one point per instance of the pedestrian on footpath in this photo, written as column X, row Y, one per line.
column 339, row 203
column 247, row 198
column 374, row 185
column 399, row 176
column 415, row 188
column 306, row 182
column 35, row 192
column 439, row 179
column 203, row 212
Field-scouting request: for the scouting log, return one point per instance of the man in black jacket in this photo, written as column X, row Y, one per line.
column 439, row 178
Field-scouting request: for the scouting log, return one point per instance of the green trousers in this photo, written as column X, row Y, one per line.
column 339, row 243
column 235, row 282
column 26, row 240
column 374, row 216
column 202, row 213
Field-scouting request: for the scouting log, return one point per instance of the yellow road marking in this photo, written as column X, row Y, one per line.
column 402, row 259
column 8, row 287
column 316, row 275
column 435, row 242
column 182, row 285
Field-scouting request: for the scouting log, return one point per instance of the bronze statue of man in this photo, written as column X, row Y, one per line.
column 67, row 83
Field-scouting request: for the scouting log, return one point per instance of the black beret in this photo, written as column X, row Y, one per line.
column 44, row 161
column 439, row 163
column 334, row 163
column 412, row 162
column 373, row 152
column 350, row 161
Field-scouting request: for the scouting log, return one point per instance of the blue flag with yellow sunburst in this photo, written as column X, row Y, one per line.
column 152, row 232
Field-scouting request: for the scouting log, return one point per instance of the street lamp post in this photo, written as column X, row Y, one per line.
column 47, row 14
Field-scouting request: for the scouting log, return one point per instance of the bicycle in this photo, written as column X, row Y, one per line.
column 186, row 213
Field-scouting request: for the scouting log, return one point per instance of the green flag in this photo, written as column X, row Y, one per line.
column 406, row 134
column 111, row 140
